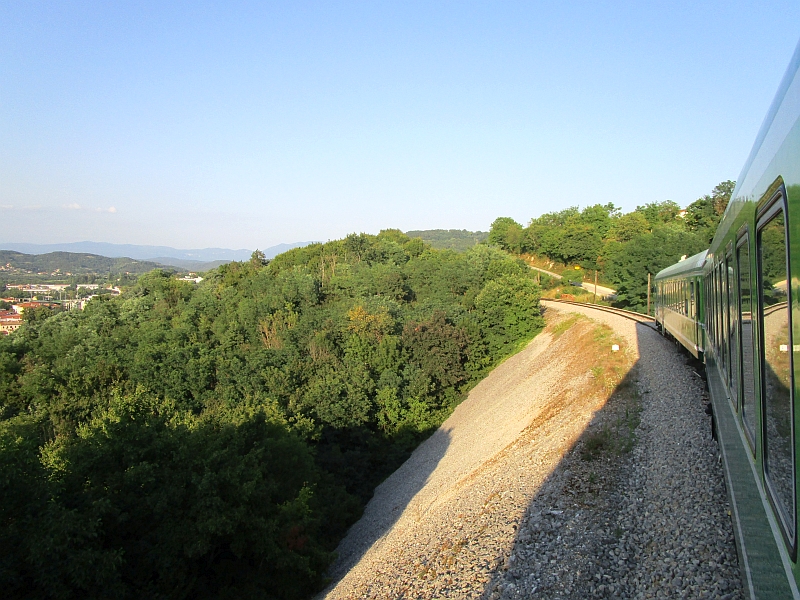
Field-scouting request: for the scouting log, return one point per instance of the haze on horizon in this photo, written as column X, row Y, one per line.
column 244, row 125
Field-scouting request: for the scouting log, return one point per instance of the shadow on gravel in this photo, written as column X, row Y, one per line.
column 390, row 501
column 570, row 544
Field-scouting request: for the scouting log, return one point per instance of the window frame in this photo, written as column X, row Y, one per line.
column 732, row 343
column 743, row 241
column 765, row 214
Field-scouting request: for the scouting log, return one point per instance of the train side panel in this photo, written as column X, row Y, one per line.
column 752, row 350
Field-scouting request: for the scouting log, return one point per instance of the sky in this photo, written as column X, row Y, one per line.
column 247, row 124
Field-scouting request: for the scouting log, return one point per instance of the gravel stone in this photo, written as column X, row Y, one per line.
column 502, row 502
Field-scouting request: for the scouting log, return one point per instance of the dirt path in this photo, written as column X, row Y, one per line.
column 546, row 272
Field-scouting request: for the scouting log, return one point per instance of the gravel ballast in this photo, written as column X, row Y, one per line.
column 531, row 489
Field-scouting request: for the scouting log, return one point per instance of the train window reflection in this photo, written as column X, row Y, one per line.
column 718, row 301
column 776, row 359
column 710, row 320
column 723, row 320
column 733, row 330
column 746, row 336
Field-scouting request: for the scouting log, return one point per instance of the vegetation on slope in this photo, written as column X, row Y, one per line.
column 459, row 240
column 24, row 267
column 216, row 441
column 624, row 248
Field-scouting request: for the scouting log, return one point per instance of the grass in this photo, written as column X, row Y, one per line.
column 564, row 325
column 579, row 294
column 618, row 435
column 613, row 378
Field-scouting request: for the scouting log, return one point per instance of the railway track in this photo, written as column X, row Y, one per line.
column 628, row 314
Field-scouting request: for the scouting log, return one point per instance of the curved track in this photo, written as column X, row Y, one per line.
column 500, row 502
column 628, row 314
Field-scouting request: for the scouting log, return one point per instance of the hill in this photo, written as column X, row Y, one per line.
column 451, row 239
column 198, row 266
column 17, row 265
column 247, row 418
column 162, row 254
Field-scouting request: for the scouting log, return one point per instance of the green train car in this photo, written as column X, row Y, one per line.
column 680, row 306
column 743, row 295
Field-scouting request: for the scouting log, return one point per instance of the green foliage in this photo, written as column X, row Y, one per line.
column 704, row 214
column 27, row 267
column 36, row 314
column 629, row 226
column 143, row 501
column 571, row 236
column 507, row 234
column 217, row 440
column 509, row 310
column 459, row 240
column 628, row 265
column 623, row 248
column 661, row 213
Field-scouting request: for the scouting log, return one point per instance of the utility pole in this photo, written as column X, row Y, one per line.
column 595, row 286
column 648, row 294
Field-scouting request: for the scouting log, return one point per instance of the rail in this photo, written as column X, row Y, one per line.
column 629, row 314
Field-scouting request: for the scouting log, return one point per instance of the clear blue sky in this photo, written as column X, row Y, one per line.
column 243, row 125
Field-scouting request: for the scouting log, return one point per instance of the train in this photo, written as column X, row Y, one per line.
column 736, row 307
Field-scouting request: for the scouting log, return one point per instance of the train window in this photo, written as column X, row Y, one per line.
column 712, row 338
column 776, row 363
column 733, row 330
column 692, row 306
column 685, row 300
column 709, row 312
column 746, row 336
column 723, row 321
column 715, row 300
column 720, row 319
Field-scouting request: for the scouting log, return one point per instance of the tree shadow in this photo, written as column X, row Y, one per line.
column 579, row 537
column 390, row 500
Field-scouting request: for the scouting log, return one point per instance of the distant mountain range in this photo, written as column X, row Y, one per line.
column 200, row 260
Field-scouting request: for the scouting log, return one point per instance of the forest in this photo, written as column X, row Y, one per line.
column 16, row 267
column 623, row 248
column 216, row 440
column 451, row 239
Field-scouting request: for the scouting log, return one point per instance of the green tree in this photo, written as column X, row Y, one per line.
column 579, row 244
column 37, row 314
column 648, row 253
column 661, row 213
column 599, row 217
column 141, row 504
column 439, row 349
column 704, row 214
column 628, row 226
column 508, row 309
column 258, row 259
column 506, row 233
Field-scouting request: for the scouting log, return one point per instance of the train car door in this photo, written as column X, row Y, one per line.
column 775, row 350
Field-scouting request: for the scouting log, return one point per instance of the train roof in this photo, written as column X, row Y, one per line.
column 688, row 266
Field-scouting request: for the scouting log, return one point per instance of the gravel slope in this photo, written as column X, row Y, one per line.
column 502, row 502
